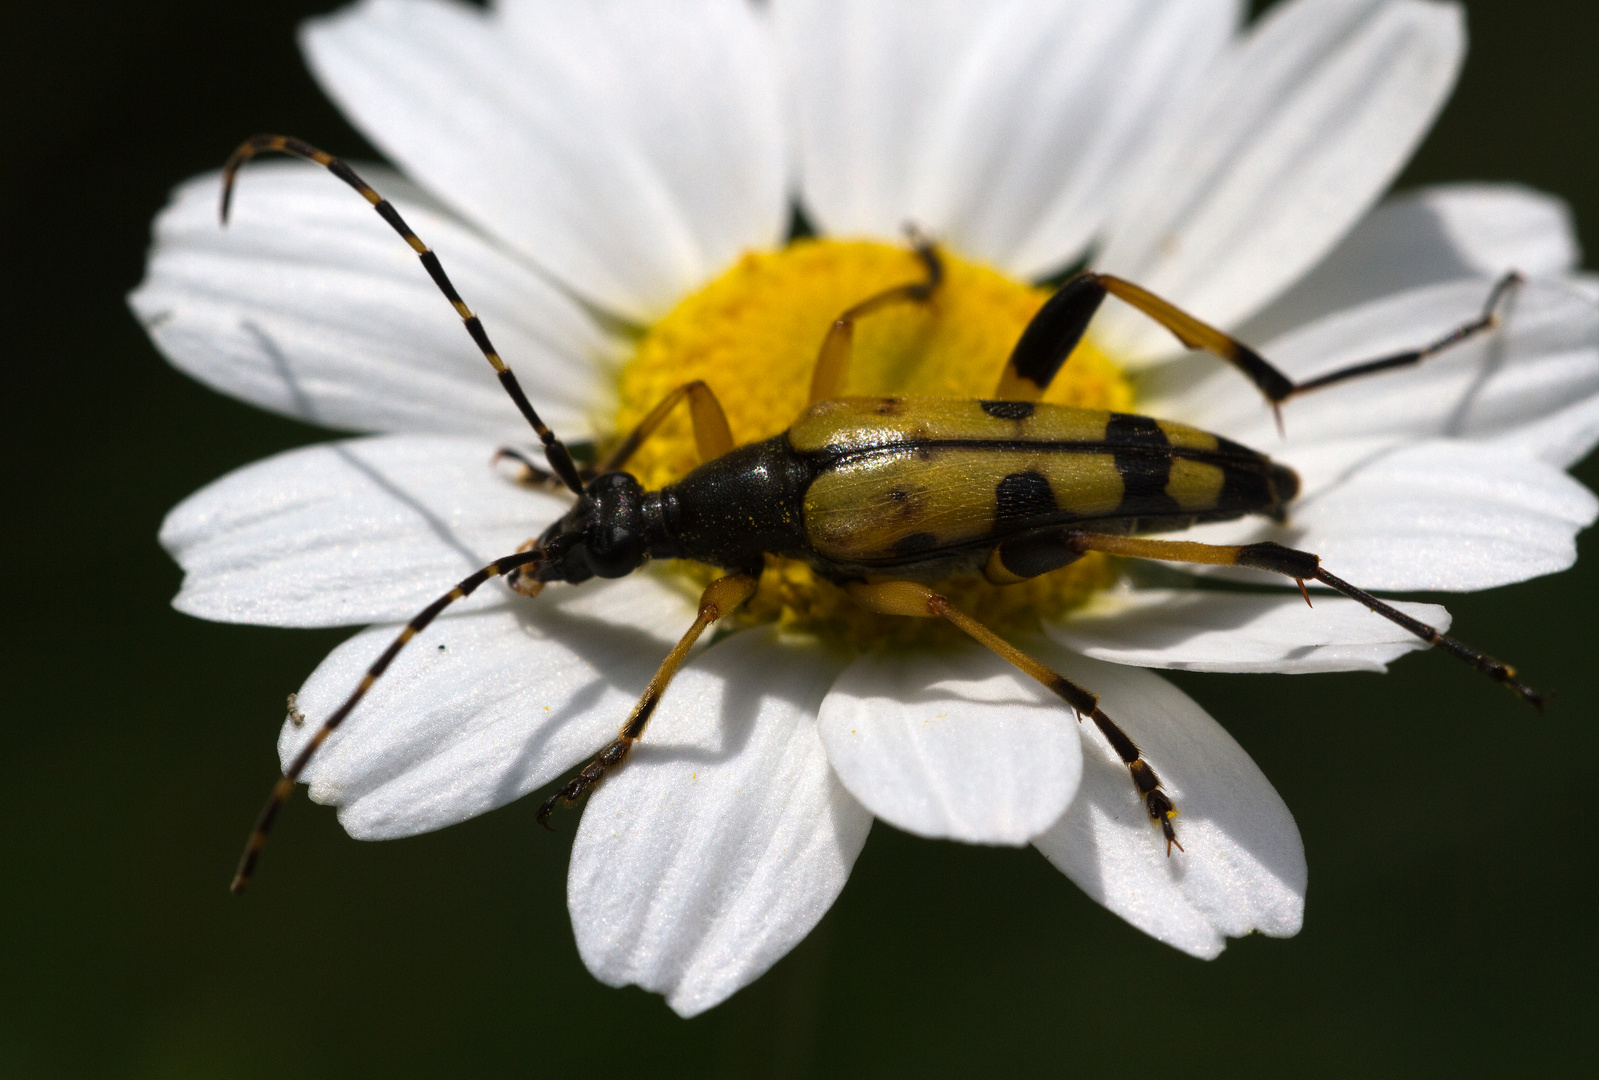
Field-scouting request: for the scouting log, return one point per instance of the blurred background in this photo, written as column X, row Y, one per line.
column 1450, row 831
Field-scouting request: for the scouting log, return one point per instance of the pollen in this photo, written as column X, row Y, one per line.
column 753, row 335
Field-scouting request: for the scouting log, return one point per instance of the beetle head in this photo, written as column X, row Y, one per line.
column 601, row 536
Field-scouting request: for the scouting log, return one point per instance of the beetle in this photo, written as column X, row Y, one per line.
column 885, row 496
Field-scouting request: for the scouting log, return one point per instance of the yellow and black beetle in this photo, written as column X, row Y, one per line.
column 884, row 495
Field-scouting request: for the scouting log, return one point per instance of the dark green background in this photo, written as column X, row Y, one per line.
column 1450, row 832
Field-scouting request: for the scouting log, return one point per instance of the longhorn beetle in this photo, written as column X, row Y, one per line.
column 883, row 495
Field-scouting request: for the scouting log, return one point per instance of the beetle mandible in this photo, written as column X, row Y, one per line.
column 883, row 496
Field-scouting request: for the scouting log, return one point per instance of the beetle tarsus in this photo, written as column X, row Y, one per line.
column 1161, row 812
column 587, row 778
column 1157, row 802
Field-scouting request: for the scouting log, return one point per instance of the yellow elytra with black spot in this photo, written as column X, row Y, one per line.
column 924, row 488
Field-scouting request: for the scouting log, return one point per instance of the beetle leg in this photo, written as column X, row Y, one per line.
column 1059, row 325
column 528, row 474
column 720, row 597
column 1301, row 566
column 1271, row 382
column 917, row 600
column 712, row 436
column 832, row 360
column 1049, row 339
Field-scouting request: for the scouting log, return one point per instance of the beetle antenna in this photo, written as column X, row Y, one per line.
column 555, row 451
column 285, row 785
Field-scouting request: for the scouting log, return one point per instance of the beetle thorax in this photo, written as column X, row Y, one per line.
column 752, row 335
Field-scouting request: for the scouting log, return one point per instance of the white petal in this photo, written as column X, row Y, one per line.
column 632, row 149
column 955, row 744
column 1288, row 144
column 1436, row 234
column 481, row 709
column 1544, row 359
column 1445, row 515
column 1449, row 516
column 1243, row 867
column 366, row 530
column 1173, row 44
column 1001, row 127
column 1562, row 438
column 306, row 303
column 725, row 837
column 1195, row 630
column 860, row 75
column 1499, row 227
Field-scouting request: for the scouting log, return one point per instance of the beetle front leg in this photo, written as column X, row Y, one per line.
column 917, row 600
column 529, row 475
column 720, row 597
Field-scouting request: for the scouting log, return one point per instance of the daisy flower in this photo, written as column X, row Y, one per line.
column 612, row 185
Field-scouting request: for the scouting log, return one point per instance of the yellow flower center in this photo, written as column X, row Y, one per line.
column 753, row 335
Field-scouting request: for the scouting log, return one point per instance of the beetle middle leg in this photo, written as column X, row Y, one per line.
column 1060, row 324
column 720, row 597
column 917, row 600
column 712, row 437
column 832, row 360
column 1302, row 566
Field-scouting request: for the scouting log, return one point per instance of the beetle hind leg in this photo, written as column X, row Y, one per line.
column 917, row 600
column 1301, row 566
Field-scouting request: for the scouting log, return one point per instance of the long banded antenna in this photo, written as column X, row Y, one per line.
column 555, row 451
column 285, row 785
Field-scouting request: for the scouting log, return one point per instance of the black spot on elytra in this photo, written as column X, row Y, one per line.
column 1024, row 495
column 1232, row 449
column 1008, row 410
column 890, row 406
column 904, row 505
column 1245, row 488
column 915, row 543
column 1130, row 429
column 1144, row 464
column 1249, row 480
